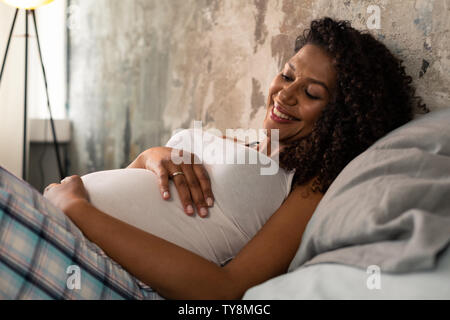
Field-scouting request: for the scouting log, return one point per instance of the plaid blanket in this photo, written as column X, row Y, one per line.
column 43, row 255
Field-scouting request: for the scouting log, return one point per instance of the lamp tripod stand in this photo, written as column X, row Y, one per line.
column 55, row 141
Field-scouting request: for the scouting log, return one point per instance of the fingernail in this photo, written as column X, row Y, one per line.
column 209, row 202
column 165, row 194
column 189, row 209
column 203, row 212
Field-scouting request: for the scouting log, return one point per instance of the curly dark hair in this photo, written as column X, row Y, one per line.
column 374, row 96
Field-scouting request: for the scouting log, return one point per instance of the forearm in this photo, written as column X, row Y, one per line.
column 174, row 272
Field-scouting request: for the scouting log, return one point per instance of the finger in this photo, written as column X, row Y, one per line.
column 66, row 179
column 50, row 186
column 195, row 189
column 74, row 176
column 205, row 183
column 163, row 180
column 182, row 188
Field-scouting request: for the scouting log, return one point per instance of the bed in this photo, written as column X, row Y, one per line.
column 381, row 231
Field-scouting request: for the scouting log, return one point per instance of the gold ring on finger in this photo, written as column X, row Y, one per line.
column 177, row 173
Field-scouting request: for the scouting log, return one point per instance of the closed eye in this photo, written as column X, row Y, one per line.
column 311, row 96
column 287, row 78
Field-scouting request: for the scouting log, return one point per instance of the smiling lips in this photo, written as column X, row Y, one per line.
column 279, row 116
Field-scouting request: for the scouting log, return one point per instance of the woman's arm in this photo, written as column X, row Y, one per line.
column 177, row 273
column 172, row 271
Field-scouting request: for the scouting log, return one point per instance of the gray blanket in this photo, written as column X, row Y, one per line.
column 390, row 206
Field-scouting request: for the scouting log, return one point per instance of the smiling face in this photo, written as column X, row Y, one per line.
column 299, row 93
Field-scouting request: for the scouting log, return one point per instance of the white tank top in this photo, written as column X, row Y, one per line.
column 244, row 198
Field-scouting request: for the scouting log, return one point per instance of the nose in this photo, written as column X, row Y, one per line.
column 287, row 96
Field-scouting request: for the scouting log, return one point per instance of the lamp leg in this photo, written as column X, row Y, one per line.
column 7, row 44
column 25, row 118
column 55, row 141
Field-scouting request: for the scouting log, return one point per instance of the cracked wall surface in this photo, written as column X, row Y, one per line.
column 139, row 69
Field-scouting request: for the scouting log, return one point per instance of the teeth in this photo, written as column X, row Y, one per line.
column 282, row 115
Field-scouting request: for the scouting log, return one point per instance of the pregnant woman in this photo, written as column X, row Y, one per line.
column 245, row 197
column 339, row 93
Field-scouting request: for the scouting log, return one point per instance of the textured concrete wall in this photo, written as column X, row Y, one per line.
column 141, row 68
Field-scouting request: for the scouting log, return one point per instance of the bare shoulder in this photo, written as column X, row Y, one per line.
column 270, row 252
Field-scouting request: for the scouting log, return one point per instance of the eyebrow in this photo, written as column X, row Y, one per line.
column 313, row 80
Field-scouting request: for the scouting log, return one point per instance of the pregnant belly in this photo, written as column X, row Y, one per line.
column 132, row 195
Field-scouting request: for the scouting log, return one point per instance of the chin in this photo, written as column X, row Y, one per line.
column 267, row 124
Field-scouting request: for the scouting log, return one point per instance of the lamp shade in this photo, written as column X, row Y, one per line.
column 27, row 4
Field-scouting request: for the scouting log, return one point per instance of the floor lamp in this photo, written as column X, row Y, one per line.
column 29, row 6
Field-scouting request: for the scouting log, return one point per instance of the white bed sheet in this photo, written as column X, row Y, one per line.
column 335, row 281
